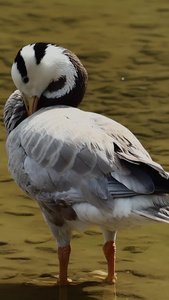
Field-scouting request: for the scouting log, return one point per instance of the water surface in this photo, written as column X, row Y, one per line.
column 124, row 45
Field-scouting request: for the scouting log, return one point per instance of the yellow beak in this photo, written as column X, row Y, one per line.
column 31, row 104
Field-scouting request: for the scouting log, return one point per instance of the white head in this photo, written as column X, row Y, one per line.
column 50, row 73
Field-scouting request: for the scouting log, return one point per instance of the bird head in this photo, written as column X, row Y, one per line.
column 47, row 74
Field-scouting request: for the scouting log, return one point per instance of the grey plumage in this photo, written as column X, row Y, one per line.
column 82, row 168
column 99, row 164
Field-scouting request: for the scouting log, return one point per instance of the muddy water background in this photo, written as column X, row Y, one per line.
column 125, row 47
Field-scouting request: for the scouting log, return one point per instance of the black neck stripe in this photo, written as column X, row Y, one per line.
column 21, row 65
column 56, row 85
column 39, row 49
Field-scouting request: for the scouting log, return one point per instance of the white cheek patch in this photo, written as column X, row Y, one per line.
column 70, row 83
column 16, row 76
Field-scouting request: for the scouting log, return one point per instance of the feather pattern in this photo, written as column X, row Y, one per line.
column 78, row 165
column 81, row 167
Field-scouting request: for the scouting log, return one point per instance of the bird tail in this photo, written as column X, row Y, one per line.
column 158, row 210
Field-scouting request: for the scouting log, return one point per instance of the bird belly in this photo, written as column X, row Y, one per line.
column 88, row 215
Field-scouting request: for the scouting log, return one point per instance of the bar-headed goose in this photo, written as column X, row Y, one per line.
column 82, row 168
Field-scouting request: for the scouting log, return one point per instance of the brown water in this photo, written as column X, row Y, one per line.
column 125, row 47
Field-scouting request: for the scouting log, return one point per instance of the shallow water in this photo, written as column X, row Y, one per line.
column 124, row 46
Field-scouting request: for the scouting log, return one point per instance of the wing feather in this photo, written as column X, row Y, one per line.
column 74, row 150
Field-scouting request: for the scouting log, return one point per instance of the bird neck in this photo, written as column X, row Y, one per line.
column 61, row 92
column 72, row 98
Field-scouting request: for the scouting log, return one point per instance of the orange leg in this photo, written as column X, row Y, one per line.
column 109, row 250
column 63, row 256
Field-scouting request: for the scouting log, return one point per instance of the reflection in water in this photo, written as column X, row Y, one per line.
column 124, row 46
column 78, row 292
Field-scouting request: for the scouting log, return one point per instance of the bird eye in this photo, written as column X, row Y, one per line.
column 25, row 79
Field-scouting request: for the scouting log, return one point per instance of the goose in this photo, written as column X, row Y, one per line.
column 82, row 168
